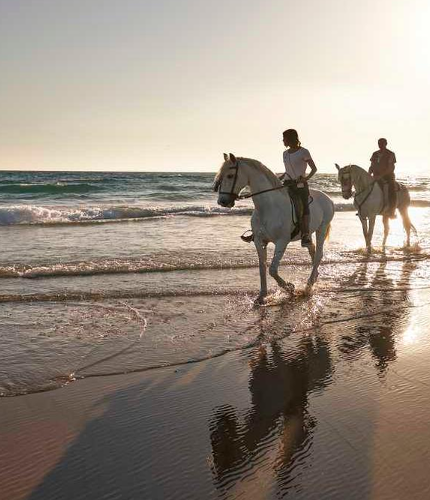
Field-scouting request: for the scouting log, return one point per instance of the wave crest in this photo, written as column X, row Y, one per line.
column 33, row 214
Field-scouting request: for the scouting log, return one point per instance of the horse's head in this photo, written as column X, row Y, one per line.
column 344, row 177
column 229, row 181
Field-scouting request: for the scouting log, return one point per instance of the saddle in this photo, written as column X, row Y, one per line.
column 297, row 212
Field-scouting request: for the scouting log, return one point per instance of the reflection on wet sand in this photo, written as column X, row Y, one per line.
column 380, row 332
column 261, row 451
column 277, row 425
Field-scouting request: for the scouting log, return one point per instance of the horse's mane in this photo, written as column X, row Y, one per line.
column 361, row 177
column 271, row 177
column 257, row 165
column 359, row 169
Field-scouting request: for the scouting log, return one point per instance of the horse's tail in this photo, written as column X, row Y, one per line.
column 405, row 202
column 327, row 233
column 404, row 198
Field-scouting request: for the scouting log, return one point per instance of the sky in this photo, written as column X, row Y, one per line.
column 170, row 85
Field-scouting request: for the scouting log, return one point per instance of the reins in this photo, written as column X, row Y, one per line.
column 359, row 205
column 245, row 196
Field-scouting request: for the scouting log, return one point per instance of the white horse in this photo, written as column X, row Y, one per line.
column 369, row 202
column 272, row 220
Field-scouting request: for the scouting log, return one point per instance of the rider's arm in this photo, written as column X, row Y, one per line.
column 391, row 162
column 375, row 177
column 373, row 162
column 311, row 163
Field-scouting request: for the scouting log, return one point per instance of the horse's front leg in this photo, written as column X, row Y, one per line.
column 386, row 222
column 262, row 263
column 280, row 247
column 365, row 233
column 370, row 232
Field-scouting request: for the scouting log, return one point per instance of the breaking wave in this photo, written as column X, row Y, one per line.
column 36, row 215
column 32, row 214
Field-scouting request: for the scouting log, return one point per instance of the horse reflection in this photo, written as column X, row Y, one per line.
column 277, row 425
column 378, row 332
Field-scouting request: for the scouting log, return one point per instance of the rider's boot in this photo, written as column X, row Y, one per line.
column 306, row 240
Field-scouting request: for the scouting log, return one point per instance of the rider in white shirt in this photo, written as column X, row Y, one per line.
column 296, row 161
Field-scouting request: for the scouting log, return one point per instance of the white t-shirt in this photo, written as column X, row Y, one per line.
column 296, row 163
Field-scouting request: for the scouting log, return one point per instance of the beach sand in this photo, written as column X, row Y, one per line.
column 329, row 400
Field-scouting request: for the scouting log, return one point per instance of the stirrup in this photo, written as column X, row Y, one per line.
column 248, row 238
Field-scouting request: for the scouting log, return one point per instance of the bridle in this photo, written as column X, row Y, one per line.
column 217, row 185
column 346, row 187
column 236, row 196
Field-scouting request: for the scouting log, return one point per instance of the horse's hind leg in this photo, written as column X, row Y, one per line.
column 321, row 235
column 311, row 250
column 407, row 224
column 280, row 247
column 386, row 222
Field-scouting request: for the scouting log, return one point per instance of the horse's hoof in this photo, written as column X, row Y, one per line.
column 289, row 287
column 260, row 300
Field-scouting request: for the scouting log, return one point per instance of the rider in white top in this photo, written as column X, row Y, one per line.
column 296, row 161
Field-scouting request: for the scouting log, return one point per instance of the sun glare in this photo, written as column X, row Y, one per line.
column 411, row 336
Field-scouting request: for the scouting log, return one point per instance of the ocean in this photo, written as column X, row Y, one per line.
column 108, row 273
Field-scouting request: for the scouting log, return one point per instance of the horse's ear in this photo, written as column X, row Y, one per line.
column 225, row 156
column 233, row 159
column 337, row 166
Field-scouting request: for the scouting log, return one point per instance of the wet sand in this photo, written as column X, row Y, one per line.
column 331, row 400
